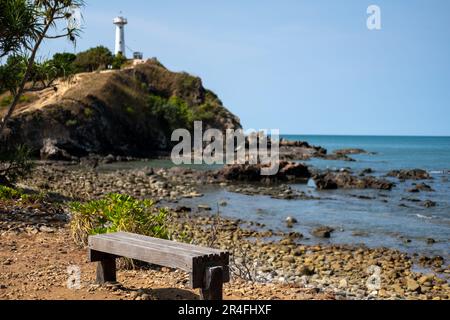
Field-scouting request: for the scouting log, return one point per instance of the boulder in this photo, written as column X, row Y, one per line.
column 421, row 187
column 415, row 174
column 344, row 180
column 252, row 172
column 50, row 151
column 350, row 151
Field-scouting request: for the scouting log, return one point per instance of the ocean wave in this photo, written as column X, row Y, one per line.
column 423, row 217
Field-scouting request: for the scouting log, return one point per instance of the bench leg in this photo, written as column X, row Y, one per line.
column 106, row 271
column 213, row 284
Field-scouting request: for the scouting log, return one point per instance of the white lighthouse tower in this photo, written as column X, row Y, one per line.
column 120, row 23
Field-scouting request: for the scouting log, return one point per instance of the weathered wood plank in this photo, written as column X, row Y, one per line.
column 173, row 249
column 149, row 245
column 186, row 246
column 144, row 253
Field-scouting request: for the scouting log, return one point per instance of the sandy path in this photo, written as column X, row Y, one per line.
column 35, row 267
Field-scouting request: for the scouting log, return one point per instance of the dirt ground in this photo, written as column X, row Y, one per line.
column 35, row 267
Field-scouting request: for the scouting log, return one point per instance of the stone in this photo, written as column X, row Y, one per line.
column 223, row 203
column 291, row 220
column 289, row 259
column 398, row 289
column 412, row 285
column 46, row 229
column 204, row 207
column 429, row 204
column 306, row 271
column 343, row 283
column 323, row 232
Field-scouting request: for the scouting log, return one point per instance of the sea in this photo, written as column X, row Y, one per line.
column 379, row 218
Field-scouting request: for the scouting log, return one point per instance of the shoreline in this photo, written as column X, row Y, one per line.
column 340, row 270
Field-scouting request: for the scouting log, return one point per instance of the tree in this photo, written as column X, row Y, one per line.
column 17, row 25
column 42, row 20
column 94, row 59
column 118, row 61
column 64, row 63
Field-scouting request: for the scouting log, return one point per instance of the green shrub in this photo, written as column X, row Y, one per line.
column 117, row 212
column 172, row 113
column 71, row 123
column 118, row 61
column 7, row 193
column 88, row 112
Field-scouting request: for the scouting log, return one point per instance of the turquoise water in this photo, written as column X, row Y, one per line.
column 429, row 153
column 388, row 220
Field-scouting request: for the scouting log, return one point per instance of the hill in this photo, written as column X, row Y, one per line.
column 130, row 112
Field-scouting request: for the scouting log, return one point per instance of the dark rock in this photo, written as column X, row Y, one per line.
column 336, row 157
column 323, row 232
column 350, row 151
column 416, row 174
column 182, row 209
column 291, row 220
column 331, row 180
column 306, row 271
column 429, row 204
column 366, row 171
column 252, row 173
column 421, row 187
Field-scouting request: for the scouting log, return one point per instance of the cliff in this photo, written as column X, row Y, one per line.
column 128, row 112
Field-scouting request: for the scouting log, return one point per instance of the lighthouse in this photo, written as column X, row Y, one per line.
column 120, row 23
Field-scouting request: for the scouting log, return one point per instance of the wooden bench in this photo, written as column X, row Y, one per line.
column 208, row 268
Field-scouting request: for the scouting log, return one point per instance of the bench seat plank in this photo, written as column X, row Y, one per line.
column 185, row 246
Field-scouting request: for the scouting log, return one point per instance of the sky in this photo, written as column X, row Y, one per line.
column 301, row 66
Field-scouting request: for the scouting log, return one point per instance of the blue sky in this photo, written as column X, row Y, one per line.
column 307, row 67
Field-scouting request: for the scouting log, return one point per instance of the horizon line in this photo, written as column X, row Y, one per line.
column 366, row 135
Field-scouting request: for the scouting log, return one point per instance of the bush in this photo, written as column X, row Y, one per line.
column 118, row 61
column 14, row 164
column 7, row 193
column 117, row 212
column 97, row 58
column 173, row 113
column 28, row 197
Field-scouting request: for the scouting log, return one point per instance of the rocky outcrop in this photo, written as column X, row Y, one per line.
column 129, row 112
column 415, row 174
column 344, row 180
column 421, row 187
column 299, row 150
column 288, row 171
column 351, row 151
